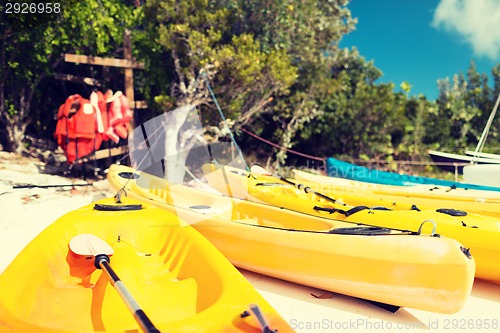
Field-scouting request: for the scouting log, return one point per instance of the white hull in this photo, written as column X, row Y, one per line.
column 483, row 155
column 458, row 158
column 482, row 174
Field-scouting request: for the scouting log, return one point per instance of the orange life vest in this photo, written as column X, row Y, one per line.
column 119, row 117
column 76, row 128
column 98, row 100
column 84, row 124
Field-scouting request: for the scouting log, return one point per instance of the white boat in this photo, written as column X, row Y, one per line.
column 483, row 155
column 482, row 174
column 457, row 163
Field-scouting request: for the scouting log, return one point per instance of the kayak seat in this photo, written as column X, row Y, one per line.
column 160, row 191
column 163, row 275
column 77, row 279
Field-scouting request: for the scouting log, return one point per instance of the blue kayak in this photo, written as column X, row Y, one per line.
column 341, row 169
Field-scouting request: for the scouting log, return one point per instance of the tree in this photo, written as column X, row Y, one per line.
column 197, row 38
column 309, row 31
column 465, row 103
column 479, row 97
column 360, row 118
column 421, row 127
column 25, row 55
column 261, row 57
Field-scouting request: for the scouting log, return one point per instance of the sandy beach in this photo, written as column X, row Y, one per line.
column 26, row 212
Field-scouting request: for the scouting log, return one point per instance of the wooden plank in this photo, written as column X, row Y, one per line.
column 129, row 73
column 111, row 62
column 140, row 105
column 103, row 153
column 72, row 78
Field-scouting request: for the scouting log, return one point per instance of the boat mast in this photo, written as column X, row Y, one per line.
column 482, row 140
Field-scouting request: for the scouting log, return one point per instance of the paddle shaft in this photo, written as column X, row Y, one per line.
column 8, row 189
column 15, row 187
column 307, row 189
column 102, row 261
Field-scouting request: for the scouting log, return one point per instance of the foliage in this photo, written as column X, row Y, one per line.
column 195, row 38
column 420, row 117
column 274, row 66
column 360, row 117
column 309, row 31
column 465, row 105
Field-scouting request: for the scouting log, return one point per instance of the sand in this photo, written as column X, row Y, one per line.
column 26, row 212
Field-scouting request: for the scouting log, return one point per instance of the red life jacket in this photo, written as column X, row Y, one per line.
column 104, row 112
column 102, row 118
column 119, row 114
column 122, row 127
column 84, row 124
column 76, row 128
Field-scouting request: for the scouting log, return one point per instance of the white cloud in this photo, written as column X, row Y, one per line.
column 477, row 22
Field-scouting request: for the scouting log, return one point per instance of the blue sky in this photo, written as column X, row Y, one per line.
column 421, row 41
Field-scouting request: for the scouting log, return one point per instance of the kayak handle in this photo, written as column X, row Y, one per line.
column 433, row 232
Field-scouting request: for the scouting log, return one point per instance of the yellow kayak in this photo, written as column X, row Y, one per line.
column 180, row 280
column 415, row 191
column 361, row 193
column 392, row 267
column 479, row 233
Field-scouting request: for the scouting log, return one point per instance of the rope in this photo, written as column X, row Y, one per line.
column 455, row 164
column 224, row 119
column 281, row 147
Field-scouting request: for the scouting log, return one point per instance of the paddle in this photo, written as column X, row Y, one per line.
column 91, row 245
column 8, row 188
column 261, row 171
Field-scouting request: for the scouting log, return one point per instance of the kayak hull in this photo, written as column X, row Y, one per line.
column 479, row 233
column 484, row 174
column 422, row 196
column 338, row 168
